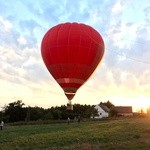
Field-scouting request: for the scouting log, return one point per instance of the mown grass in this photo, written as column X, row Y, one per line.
column 122, row 134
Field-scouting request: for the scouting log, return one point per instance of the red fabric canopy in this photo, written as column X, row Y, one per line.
column 71, row 53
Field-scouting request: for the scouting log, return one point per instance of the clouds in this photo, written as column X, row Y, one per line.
column 124, row 71
column 5, row 24
column 117, row 8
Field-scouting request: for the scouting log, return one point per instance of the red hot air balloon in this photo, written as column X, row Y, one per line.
column 71, row 53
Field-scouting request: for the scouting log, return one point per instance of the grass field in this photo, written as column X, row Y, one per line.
column 127, row 133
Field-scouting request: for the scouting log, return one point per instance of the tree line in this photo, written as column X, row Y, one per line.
column 17, row 111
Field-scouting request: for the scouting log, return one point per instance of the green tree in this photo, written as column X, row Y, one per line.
column 15, row 111
column 108, row 104
column 113, row 113
column 36, row 113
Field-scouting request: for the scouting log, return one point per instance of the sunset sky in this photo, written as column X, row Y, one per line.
column 123, row 77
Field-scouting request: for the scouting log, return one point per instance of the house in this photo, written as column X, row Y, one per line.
column 123, row 110
column 103, row 111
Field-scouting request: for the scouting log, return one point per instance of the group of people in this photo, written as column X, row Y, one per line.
column 78, row 119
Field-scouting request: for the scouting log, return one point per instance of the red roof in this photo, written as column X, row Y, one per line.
column 123, row 109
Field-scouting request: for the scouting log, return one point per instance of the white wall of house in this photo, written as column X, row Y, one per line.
column 101, row 112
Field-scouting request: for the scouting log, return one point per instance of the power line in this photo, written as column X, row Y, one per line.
column 130, row 58
column 127, row 57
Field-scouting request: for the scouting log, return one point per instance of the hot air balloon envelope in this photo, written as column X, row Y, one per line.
column 71, row 53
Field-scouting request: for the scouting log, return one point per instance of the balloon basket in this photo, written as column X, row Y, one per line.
column 69, row 106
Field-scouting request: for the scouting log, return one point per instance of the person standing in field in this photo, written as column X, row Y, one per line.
column 68, row 120
column 1, row 125
column 79, row 119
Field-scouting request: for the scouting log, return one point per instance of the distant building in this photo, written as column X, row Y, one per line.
column 103, row 111
column 123, row 110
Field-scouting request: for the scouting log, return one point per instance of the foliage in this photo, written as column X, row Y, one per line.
column 108, row 104
column 1, row 115
column 36, row 113
column 113, row 113
column 14, row 112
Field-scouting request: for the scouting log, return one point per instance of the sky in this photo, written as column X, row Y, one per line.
column 123, row 77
